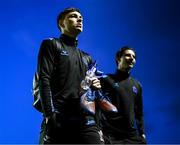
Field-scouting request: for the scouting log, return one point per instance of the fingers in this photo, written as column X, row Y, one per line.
column 144, row 136
column 47, row 119
column 96, row 83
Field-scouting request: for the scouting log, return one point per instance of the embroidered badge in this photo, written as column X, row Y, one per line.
column 116, row 85
column 64, row 52
column 134, row 89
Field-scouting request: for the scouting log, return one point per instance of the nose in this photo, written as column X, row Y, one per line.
column 79, row 19
column 132, row 59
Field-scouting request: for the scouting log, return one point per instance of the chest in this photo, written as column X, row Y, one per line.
column 71, row 57
column 124, row 91
column 68, row 56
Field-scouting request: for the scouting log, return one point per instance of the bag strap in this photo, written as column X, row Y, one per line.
column 57, row 43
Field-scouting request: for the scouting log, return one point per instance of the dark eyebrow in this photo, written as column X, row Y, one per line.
column 127, row 54
column 74, row 15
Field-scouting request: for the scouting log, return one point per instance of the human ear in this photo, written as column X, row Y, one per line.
column 61, row 23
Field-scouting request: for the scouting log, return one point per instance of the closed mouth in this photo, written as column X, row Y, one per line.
column 79, row 26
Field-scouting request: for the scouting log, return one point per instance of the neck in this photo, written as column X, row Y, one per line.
column 69, row 40
column 124, row 70
column 72, row 35
column 121, row 74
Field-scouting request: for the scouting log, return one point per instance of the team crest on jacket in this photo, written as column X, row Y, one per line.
column 134, row 89
column 63, row 52
column 116, row 85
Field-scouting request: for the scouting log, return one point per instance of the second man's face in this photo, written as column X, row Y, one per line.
column 72, row 23
column 127, row 60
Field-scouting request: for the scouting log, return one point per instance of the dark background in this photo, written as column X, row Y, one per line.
column 152, row 27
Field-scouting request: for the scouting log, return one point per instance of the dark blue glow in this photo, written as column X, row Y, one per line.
column 152, row 27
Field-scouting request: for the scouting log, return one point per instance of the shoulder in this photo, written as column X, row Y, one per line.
column 85, row 54
column 107, row 78
column 107, row 82
column 48, row 45
column 47, row 42
column 51, row 41
column 87, row 59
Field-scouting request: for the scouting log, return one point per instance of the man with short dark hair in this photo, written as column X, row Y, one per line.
column 126, row 126
column 61, row 69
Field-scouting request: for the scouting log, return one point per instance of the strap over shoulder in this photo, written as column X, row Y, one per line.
column 57, row 43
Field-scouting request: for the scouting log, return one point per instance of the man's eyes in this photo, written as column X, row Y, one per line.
column 128, row 55
column 74, row 16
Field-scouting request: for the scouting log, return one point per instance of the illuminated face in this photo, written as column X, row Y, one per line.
column 127, row 60
column 72, row 24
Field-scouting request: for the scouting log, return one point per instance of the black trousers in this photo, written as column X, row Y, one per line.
column 71, row 134
column 124, row 139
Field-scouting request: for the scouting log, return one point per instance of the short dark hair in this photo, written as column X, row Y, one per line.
column 121, row 51
column 62, row 14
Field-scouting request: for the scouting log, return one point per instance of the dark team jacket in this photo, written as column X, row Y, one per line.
column 126, row 94
column 60, row 73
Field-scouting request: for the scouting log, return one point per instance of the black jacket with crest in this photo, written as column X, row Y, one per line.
column 61, row 70
column 126, row 94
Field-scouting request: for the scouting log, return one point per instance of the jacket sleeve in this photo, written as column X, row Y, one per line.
column 139, row 111
column 45, row 68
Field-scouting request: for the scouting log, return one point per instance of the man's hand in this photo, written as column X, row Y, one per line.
column 144, row 136
column 47, row 119
column 52, row 120
column 96, row 83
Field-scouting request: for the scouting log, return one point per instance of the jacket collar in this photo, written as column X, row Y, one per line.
column 121, row 75
column 69, row 40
